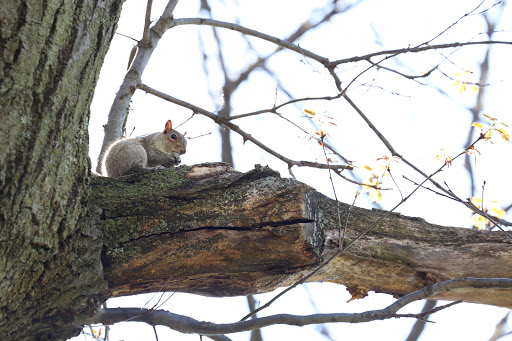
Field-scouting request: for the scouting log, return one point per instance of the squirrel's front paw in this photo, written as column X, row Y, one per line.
column 177, row 158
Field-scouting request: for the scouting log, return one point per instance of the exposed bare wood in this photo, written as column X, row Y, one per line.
column 210, row 230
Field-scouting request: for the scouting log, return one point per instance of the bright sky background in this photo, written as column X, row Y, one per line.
column 416, row 119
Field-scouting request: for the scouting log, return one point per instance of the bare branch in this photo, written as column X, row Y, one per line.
column 276, row 107
column 248, row 31
column 457, row 21
column 185, row 324
column 411, row 77
column 247, row 137
column 415, row 50
column 147, row 22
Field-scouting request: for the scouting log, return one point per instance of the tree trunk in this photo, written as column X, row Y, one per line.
column 210, row 230
column 51, row 54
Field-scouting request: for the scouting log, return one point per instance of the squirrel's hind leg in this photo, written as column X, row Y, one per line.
column 138, row 161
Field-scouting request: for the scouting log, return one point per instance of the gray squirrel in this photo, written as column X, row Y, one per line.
column 144, row 154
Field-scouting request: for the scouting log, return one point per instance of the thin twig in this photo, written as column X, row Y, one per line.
column 276, row 107
column 392, row 178
column 430, row 189
column 416, row 50
column 423, row 315
column 338, row 214
column 419, row 325
column 124, row 35
column 342, row 237
column 410, row 77
column 355, row 182
column 482, row 202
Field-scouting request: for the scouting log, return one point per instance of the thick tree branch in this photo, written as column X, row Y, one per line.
column 210, row 230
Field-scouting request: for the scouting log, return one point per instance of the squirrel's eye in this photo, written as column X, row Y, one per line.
column 173, row 136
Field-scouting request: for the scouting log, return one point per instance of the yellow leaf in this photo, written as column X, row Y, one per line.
column 503, row 133
column 479, row 222
column 478, row 125
column 442, row 155
column 96, row 334
column 476, row 201
column 488, row 135
column 309, row 112
column 374, row 194
column 498, row 212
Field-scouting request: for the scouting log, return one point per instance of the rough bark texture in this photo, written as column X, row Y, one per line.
column 50, row 56
column 213, row 231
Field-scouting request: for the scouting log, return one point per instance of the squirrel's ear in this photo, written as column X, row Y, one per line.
column 168, row 126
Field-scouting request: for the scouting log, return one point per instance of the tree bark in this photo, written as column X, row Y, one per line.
column 50, row 270
column 213, row 231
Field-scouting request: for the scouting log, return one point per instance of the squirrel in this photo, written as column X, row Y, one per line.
column 144, row 154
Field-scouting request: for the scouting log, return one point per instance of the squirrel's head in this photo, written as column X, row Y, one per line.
column 176, row 139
